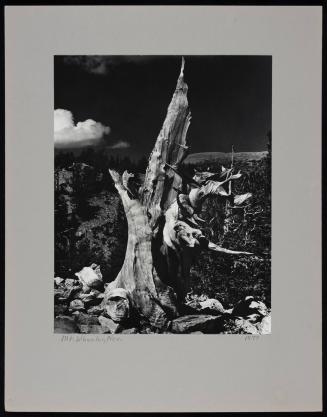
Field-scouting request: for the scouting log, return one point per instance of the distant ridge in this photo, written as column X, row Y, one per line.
column 195, row 158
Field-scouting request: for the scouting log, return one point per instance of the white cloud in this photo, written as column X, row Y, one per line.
column 69, row 135
column 120, row 145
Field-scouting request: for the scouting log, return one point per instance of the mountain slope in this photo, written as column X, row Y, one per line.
column 222, row 157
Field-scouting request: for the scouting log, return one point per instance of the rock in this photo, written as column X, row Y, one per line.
column 100, row 296
column 76, row 305
column 88, row 323
column 90, row 277
column 93, row 293
column 132, row 330
column 195, row 304
column 249, row 306
column 254, row 318
column 64, row 295
column 58, row 281
column 58, row 293
column 117, row 305
column 198, row 332
column 83, row 318
column 265, row 326
column 96, row 310
column 108, row 325
column 204, row 305
column 246, row 327
column 69, row 282
column 64, row 324
column 212, row 305
column 259, row 307
column 240, row 326
column 75, row 291
column 91, row 298
column 192, row 323
column 91, row 328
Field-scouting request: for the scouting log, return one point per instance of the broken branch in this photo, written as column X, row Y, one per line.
column 216, row 248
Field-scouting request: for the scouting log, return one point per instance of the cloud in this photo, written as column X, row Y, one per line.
column 122, row 144
column 69, row 135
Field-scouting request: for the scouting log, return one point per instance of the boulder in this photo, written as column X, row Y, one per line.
column 254, row 318
column 212, row 305
column 239, row 326
column 244, row 326
column 83, row 318
column 76, row 305
column 264, row 327
column 203, row 323
column 69, row 282
column 259, row 307
column 108, row 325
column 250, row 306
column 90, row 277
column 100, row 296
column 58, row 281
column 75, row 291
column 58, row 293
column 64, row 324
column 203, row 305
column 64, row 295
column 96, row 310
column 91, row 298
column 117, row 305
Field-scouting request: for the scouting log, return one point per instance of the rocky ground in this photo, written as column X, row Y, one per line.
column 81, row 307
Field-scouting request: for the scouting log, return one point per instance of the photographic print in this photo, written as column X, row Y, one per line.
column 162, row 182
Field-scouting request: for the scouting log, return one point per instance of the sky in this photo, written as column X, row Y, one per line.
column 118, row 103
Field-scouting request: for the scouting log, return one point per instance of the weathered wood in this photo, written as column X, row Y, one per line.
column 148, row 294
column 164, row 233
column 161, row 181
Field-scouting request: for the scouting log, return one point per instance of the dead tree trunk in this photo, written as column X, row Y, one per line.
column 164, row 227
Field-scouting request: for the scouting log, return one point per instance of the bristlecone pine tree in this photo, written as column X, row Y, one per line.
column 164, row 227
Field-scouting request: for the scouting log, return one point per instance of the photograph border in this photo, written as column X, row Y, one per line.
column 296, row 394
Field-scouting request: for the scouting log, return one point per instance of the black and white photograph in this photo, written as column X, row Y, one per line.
column 162, row 181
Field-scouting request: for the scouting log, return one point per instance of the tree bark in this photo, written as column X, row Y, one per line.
column 150, row 296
